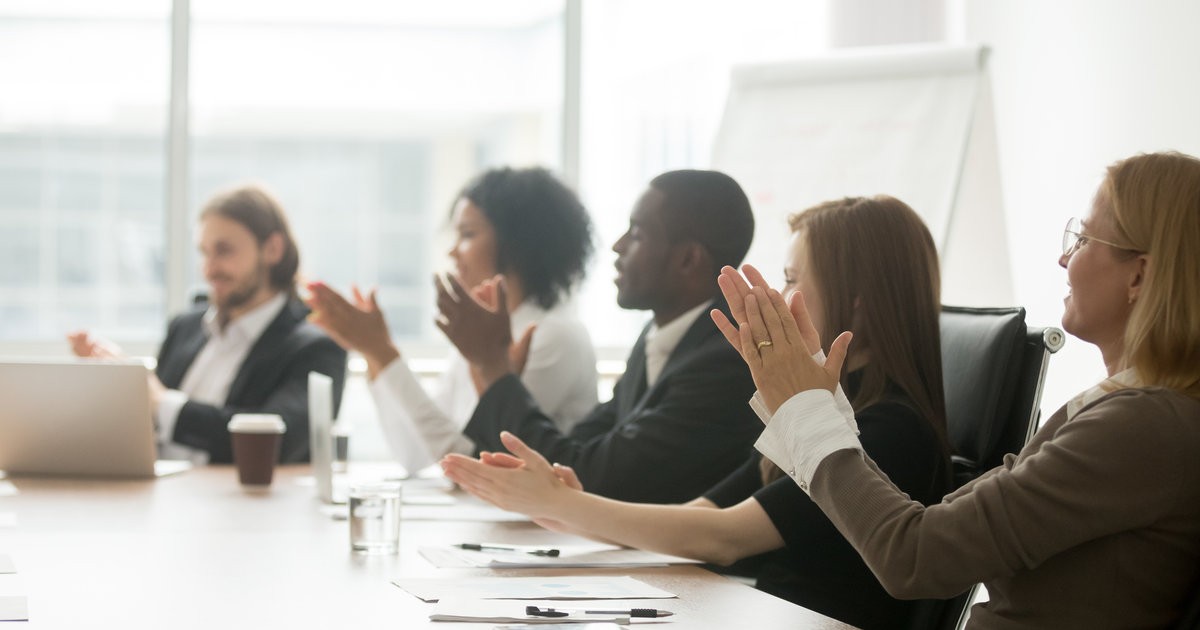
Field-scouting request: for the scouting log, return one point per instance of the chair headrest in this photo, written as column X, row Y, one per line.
column 981, row 361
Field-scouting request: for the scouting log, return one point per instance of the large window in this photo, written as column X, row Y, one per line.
column 655, row 74
column 364, row 117
column 366, row 120
column 82, row 165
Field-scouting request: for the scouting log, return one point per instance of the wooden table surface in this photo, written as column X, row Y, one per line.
column 195, row 551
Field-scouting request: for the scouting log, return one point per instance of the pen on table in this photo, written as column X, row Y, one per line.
column 562, row 612
column 551, row 553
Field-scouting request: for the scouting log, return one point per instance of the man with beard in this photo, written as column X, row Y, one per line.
column 678, row 421
column 250, row 350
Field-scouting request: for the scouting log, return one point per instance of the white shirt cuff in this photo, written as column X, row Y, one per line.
column 416, row 429
column 760, row 407
column 839, row 399
column 804, row 431
column 844, row 408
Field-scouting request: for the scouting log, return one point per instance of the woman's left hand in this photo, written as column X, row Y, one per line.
column 533, row 487
column 481, row 332
column 772, row 343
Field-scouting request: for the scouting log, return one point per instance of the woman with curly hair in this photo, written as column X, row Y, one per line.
column 528, row 227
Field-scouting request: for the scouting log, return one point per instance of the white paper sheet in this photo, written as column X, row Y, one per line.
column 427, row 498
column 573, row 556
column 552, row 625
column 560, row 587
column 409, row 501
column 510, row 612
column 14, row 608
column 6, row 564
column 462, row 511
column 8, row 519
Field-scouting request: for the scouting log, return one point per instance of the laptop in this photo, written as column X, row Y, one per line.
column 78, row 418
column 320, row 438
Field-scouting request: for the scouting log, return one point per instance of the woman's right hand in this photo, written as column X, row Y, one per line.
column 359, row 326
column 774, row 341
column 565, row 474
column 736, row 290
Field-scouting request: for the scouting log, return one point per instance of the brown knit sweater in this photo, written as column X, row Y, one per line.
column 1095, row 524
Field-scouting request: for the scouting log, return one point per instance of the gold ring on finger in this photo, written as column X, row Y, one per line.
column 764, row 344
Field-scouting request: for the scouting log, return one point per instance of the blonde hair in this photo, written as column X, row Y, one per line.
column 1155, row 203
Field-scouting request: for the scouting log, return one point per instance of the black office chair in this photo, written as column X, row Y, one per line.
column 1191, row 615
column 993, row 368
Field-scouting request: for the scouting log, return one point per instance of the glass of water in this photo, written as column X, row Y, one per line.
column 375, row 518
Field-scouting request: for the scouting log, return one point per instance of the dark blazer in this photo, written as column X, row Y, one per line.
column 272, row 379
column 664, row 444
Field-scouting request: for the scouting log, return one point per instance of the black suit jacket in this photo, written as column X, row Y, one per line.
column 272, row 379
column 663, row 444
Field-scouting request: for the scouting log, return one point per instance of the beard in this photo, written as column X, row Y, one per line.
column 245, row 291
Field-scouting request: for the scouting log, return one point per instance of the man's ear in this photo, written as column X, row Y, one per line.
column 693, row 259
column 272, row 248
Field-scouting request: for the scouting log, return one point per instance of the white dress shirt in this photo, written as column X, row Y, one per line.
column 212, row 372
column 1125, row 379
column 560, row 373
column 805, row 429
column 662, row 341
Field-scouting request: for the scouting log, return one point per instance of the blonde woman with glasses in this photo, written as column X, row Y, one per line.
column 1096, row 523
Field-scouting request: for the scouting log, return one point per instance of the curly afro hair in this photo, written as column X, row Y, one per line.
column 543, row 231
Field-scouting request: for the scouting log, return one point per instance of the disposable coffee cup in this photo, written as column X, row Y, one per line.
column 257, row 438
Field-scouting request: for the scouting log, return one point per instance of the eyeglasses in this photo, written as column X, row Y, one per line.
column 1073, row 239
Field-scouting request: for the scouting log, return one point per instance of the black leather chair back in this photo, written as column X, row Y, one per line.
column 1191, row 615
column 993, row 367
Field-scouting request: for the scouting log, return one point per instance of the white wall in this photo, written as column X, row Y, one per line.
column 1077, row 85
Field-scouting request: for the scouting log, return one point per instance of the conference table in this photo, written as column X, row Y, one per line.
column 193, row 550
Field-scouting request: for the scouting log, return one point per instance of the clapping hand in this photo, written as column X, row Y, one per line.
column 488, row 293
column 523, row 482
column 359, row 326
column 565, row 474
column 477, row 323
column 89, row 346
column 776, row 338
